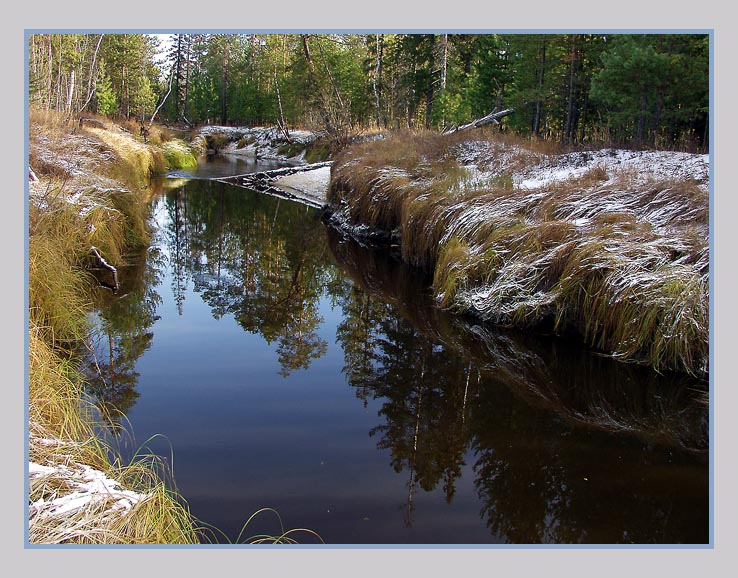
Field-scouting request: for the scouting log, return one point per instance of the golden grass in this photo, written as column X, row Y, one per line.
column 63, row 440
column 78, row 204
column 619, row 260
column 178, row 155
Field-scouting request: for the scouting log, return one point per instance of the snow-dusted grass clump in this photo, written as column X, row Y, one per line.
column 77, row 495
column 90, row 489
column 612, row 245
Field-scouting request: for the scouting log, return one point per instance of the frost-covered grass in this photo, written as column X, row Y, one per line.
column 611, row 245
column 90, row 193
column 77, row 494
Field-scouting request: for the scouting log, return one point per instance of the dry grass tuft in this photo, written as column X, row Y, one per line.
column 78, row 493
column 621, row 260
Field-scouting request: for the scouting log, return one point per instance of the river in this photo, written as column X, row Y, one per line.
column 276, row 364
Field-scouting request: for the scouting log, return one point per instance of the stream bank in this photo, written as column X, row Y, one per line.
column 89, row 191
column 611, row 246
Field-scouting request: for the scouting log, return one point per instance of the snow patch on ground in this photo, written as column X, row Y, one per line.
column 485, row 162
column 89, row 487
column 263, row 142
column 308, row 185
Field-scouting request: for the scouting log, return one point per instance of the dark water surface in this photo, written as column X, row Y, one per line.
column 292, row 369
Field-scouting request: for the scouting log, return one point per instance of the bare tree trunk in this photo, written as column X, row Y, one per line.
column 376, row 82
column 444, row 62
column 583, row 118
column 224, row 91
column 59, row 76
column 163, row 100
column 125, row 105
column 33, row 55
column 641, row 121
column 283, row 124
column 187, row 79
column 444, row 67
column 90, row 90
column 178, row 104
column 568, row 125
column 429, row 88
column 70, row 93
column 51, row 69
column 539, row 96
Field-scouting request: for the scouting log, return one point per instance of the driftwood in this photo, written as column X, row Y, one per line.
column 492, row 117
column 110, row 268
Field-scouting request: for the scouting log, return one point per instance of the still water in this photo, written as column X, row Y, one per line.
column 277, row 365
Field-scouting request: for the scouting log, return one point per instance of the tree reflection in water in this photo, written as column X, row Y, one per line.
column 565, row 446
column 122, row 333
column 253, row 257
column 548, row 424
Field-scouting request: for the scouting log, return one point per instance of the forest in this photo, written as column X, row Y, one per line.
column 577, row 90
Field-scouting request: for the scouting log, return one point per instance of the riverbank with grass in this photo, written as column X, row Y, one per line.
column 89, row 188
column 611, row 246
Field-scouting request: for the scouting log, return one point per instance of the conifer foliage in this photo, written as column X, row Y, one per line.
column 639, row 90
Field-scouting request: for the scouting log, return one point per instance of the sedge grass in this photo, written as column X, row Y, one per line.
column 76, row 205
column 90, row 193
column 178, row 155
column 620, row 260
column 282, row 537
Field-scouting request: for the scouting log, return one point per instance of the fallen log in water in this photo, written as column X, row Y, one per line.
column 263, row 182
column 265, row 178
column 114, row 287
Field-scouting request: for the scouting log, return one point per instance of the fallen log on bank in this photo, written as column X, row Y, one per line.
column 492, row 117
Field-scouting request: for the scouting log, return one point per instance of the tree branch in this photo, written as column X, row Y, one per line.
column 163, row 100
column 109, row 267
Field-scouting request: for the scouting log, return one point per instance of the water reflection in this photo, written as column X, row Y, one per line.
column 547, row 373
column 123, row 332
column 568, row 447
column 252, row 258
column 515, row 437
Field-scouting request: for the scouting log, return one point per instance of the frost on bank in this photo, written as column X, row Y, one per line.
column 611, row 245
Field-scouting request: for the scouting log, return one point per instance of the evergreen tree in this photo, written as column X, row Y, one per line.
column 653, row 89
column 107, row 103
